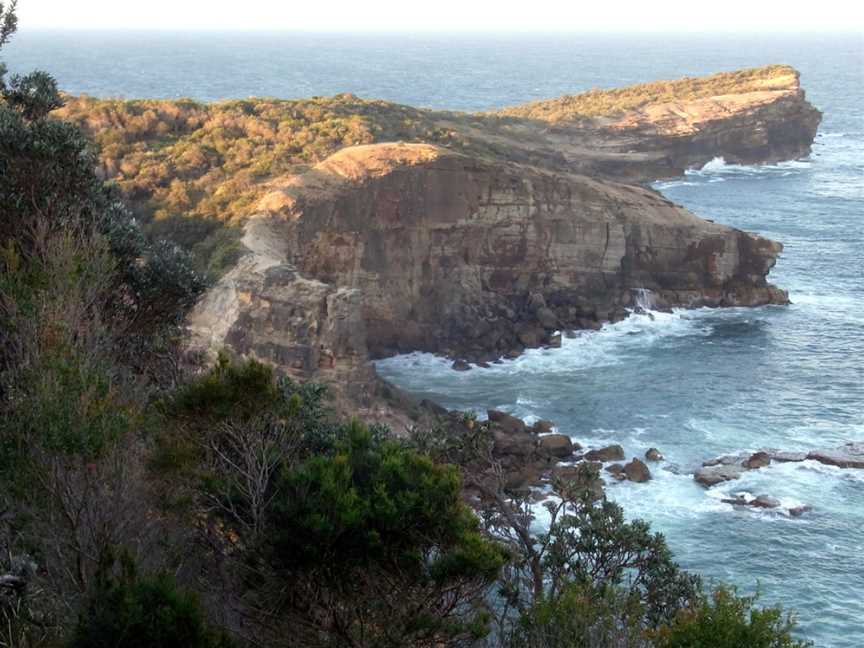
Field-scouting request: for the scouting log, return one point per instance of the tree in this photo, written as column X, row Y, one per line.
column 726, row 620
column 86, row 301
column 372, row 546
column 8, row 24
column 587, row 553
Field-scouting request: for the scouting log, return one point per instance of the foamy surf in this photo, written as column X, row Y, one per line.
column 580, row 351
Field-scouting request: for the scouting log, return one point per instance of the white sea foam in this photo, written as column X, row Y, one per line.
column 583, row 350
column 718, row 167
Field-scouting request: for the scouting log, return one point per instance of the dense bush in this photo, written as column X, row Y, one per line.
column 378, row 549
column 726, row 620
column 581, row 616
column 143, row 612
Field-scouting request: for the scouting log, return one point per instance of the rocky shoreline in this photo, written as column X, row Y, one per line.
column 532, row 457
column 396, row 247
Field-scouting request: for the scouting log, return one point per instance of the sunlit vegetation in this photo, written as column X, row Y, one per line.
column 193, row 171
column 597, row 103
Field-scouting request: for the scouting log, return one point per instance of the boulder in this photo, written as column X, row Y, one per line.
column 460, row 365
column 798, row 511
column 765, row 501
column 522, row 478
column 522, row 444
column 717, row 474
column 507, row 422
column 609, row 453
column 637, row 471
column 725, row 460
column 762, row 501
column 653, row 454
column 570, row 472
column 757, row 460
column 556, row 445
column 530, row 337
column 543, row 426
column 617, row 471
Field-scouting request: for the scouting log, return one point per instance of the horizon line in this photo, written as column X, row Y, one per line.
column 671, row 31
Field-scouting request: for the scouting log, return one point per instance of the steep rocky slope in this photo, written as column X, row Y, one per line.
column 482, row 235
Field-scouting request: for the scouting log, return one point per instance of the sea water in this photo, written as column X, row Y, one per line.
column 694, row 384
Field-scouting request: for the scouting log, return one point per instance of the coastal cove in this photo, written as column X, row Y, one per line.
column 701, row 383
column 696, row 383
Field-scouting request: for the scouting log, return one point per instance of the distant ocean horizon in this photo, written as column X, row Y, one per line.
column 457, row 71
column 694, row 384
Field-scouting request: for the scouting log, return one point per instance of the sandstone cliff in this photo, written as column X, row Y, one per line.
column 392, row 247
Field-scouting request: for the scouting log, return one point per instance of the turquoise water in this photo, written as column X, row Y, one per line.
column 694, row 384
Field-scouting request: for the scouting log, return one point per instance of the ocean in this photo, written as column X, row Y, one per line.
column 694, row 384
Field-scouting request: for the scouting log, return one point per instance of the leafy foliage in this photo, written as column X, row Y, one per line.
column 582, row 616
column 143, row 612
column 379, row 548
column 726, row 620
column 376, row 502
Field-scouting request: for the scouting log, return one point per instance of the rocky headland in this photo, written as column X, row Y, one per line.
column 477, row 236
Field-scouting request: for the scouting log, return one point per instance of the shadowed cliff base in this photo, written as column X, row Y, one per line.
column 482, row 235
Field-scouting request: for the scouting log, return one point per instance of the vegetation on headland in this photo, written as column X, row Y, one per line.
column 192, row 172
column 148, row 502
column 608, row 103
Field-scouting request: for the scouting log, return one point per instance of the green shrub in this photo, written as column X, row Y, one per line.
column 726, row 620
column 379, row 548
column 143, row 612
column 582, row 617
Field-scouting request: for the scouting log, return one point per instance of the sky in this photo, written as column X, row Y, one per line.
column 446, row 15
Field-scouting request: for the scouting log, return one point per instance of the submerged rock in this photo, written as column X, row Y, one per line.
column 760, row 501
column 460, row 365
column 765, row 501
column 850, row 455
column 653, row 454
column 718, row 473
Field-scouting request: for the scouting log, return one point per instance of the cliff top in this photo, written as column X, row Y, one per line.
column 600, row 103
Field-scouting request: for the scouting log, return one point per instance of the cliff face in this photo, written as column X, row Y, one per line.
column 394, row 247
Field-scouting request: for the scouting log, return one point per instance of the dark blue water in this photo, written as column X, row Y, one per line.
column 693, row 384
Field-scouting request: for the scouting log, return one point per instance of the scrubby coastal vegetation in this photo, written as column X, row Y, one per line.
column 605, row 103
column 149, row 501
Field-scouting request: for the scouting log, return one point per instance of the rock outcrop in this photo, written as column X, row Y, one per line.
column 730, row 467
column 396, row 247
